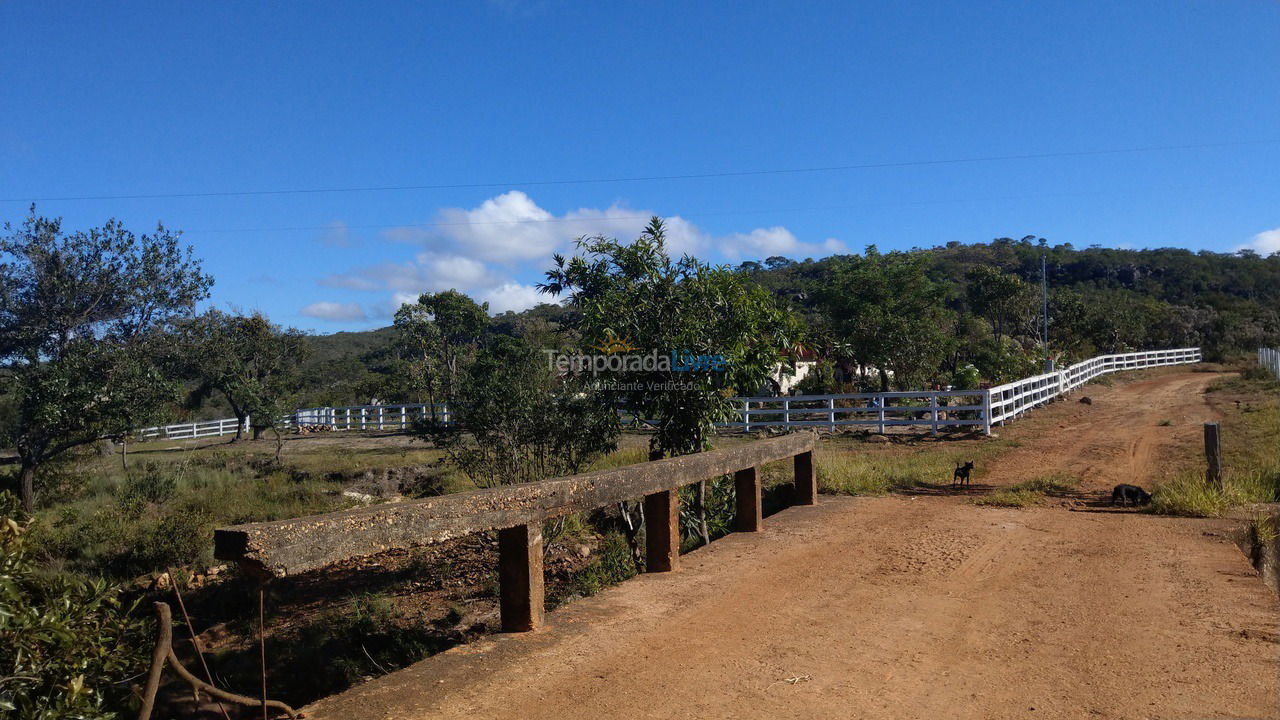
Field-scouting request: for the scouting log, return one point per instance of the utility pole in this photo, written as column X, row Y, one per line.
column 1044, row 325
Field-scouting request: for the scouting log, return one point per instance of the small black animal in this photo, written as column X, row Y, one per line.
column 962, row 474
column 1126, row 494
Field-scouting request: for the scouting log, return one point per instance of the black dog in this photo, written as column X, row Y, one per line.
column 1126, row 494
column 962, row 474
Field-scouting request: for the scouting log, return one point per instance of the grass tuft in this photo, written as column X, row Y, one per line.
column 1031, row 492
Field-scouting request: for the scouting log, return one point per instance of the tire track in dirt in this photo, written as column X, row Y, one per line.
column 1116, row 439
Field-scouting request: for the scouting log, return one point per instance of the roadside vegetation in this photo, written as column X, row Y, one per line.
column 1250, row 405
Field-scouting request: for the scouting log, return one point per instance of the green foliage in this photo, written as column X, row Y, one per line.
column 82, row 319
column 436, row 340
column 636, row 292
column 613, row 564
column 67, row 646
column 885, row 312
column 821, row 380
column 162, row 516
column 250, row 361
column 514, row 421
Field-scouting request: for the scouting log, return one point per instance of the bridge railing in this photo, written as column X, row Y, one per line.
column 517, row 512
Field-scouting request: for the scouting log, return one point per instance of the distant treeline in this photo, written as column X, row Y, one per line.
column 987, row 298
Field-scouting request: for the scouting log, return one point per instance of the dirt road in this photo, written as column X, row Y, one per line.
column 908, row 607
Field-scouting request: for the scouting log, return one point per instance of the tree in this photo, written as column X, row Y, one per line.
column 885, row 312
column 515, row 421
column 82, row 323
column 719, row 331
column 250, row 361
column 1002, row 298
column 436, row 338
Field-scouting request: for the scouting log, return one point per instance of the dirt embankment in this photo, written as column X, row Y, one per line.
column 910, row 607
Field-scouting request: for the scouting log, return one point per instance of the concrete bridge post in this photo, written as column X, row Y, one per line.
column 746, row 487
column 520, row 577
column 662, row 531
column 806, row 479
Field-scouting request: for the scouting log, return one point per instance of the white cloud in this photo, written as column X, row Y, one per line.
column 334, row 311
column 426, row 271
column 513, row 296
column 1264, row 243
column 477, row 250
column 766, row 242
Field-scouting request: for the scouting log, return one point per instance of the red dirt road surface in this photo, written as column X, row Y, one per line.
column 909, row 607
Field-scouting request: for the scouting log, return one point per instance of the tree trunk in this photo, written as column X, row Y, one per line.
column 884, row 379
column 239, row 427
column 27, row 486
column 257, row 433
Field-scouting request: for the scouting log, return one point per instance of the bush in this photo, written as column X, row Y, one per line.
column 614, row 565
column 66, row 645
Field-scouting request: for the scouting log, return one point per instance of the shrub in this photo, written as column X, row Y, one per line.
column 614, row 564
column 66, row 645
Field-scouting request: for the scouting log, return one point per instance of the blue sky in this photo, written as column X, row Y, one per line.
column 508, row 98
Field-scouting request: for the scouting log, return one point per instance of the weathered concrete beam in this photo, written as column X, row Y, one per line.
column 287, row 547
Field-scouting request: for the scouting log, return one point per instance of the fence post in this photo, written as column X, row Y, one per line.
column 746, row 490
column 404, row 417
column 662, row 531
column 786, row 414
column 520, row 577
column 879, row 401
column 806, row 479
column 831, row 414
column 1213, row 454
column 986, row 412
column 933, row 410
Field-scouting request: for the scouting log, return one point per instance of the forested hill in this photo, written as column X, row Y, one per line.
column 1119, row 299
column 1101, row 300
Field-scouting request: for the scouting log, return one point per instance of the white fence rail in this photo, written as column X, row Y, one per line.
column 1269, row 358
column 366, row 417
column 934, row 409
column 187, row 431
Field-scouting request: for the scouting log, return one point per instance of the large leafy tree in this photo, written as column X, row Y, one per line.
column 1003, row 299
column 436, row 340
column 250, row 361
column 83, row 317
column 636, row 292
column 885, row 312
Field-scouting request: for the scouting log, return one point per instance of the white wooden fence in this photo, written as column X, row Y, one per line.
column 934, row 409
column 366, row 417
column 1269, row 358
column 187, row 431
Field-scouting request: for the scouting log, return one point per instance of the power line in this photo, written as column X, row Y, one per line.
column 340, row 226
column 649, row 178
